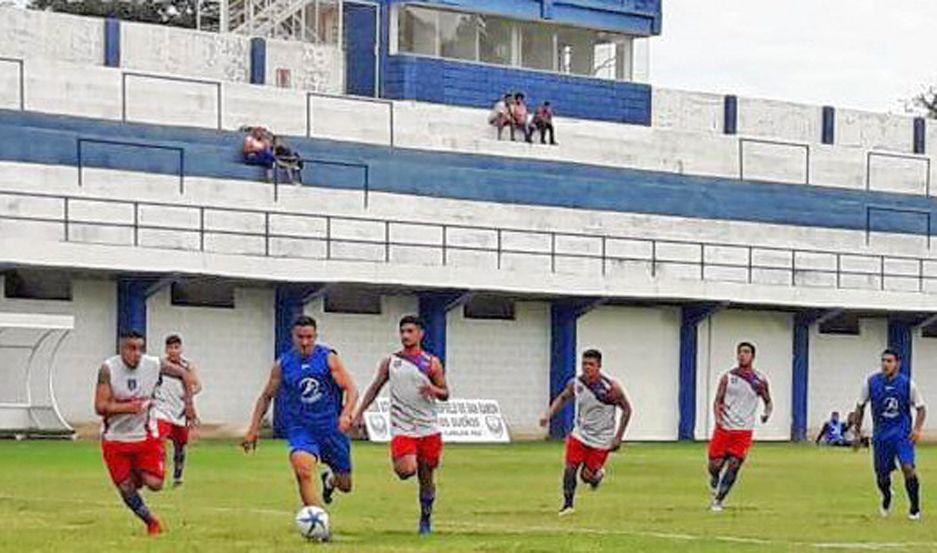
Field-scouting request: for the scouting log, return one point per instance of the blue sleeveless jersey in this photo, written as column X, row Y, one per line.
column 891, row 406
column 312, row 399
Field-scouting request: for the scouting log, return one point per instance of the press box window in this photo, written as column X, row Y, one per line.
column 37, row 285
column 845, row 324
column 355, row 302
column 207, row 293
column 489, row 308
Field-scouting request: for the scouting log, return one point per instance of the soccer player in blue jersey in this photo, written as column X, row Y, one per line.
column 317, row 400
column 892, row 396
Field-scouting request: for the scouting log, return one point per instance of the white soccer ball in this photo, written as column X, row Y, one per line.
column 313, row 523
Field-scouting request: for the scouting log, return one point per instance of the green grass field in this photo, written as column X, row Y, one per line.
column 55, row 496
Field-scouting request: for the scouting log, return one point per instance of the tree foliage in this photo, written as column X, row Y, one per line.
column 180, row 13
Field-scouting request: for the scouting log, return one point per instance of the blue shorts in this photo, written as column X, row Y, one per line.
column 331, row 447
column 887, row 449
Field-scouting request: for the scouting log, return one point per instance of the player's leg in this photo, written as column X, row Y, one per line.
column 336, row 454
column 715, row 473
column 120, row 460
column 403, row 450
column 593, row 468
column 180, row 439
column 717, row 457
column 429, row 452
column 575, row 456
column 883, row 454
column 733, row 465
column 304, row 467
column 911, row 482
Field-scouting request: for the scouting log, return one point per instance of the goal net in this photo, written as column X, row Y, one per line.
column 29, row 344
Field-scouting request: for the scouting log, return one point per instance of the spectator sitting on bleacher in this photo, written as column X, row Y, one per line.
column 501, row 114
column 258, row 149
column 832, row 432
column 543, row 121
column 521, row 117
column 288, row 160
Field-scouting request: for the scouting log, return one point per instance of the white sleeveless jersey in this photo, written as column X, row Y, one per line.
column 128, row 384
column 411, row 413
column 170, row 398
column 743, row 394
column 595, row 412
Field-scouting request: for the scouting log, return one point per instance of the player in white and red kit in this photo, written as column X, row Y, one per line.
column 417, row 382
column 170, row 406
column 737, row 399
column 594, row 434
column 130, row 440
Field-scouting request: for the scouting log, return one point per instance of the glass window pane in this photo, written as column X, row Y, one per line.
column 495, row 40
column 537, row 46
column 457, row 35
column 575, row 50
column 417, row 31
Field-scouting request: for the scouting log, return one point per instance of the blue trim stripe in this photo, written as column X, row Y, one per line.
column 829, row 125
column 112, row 42
column 900, row 339
column 131, row 304
column 690, row 318
column 920, row 128
column 562, row 362
column 258, row 60
column 730, row 115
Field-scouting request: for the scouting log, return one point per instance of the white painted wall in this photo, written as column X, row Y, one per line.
column 312, row 67
column 780, row 120
column 874, row 131
column 94, row 306
column 233, row 349
column 771, row 332
column 687, row 110
column 838, row 365
column 924, row 373
column 362, row 341
column 165, row 49
column 641, row 348
column 508, row 361
column 51, row 36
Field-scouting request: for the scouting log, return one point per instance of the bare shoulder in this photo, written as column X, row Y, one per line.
column 104, row 374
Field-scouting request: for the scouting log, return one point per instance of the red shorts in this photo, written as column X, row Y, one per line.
column 125, row 458
column 730, row 442
column 169, row 431
column 578, row 453
column 428, row 449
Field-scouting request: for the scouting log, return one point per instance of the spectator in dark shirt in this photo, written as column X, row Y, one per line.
column 288, row 160
column 543, row 121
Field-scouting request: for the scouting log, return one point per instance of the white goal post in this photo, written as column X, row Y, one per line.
column 29, row 344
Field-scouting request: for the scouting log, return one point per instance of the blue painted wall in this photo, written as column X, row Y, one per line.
column 51, row 139
column 360, row 28
column 476, row 85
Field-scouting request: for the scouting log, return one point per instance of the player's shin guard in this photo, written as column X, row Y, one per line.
column 426, row 506
column 178, row 462
column 569, row 486
column 913, row 486
column 884, row 486
column 135, row 503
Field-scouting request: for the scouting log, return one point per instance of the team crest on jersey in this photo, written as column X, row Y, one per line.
column 309, row 390
column 890, row 409
column 131, row 384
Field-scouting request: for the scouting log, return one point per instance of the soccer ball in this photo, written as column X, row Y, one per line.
column 313, row 523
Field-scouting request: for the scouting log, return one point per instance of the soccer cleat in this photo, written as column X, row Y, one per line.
column 426, row 527
column 154, row 528
column 566, row 510
column 914, row 516
column 885, row 508
column 327, row 488
column 716, row 506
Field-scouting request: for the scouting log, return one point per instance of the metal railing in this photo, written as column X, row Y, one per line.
column 365, row 168
column 892, row 155
column 171, row 78
column 21, row 77
column 127, row 143
column 797, row 267
column 744, row 140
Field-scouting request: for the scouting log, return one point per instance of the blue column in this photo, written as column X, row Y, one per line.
column 131, row 304
column 829, row 125
column 801, row 375
column 546, row 9
column 112, row 42
column 258, row 60
column 562, row 362
column 899, row 339
column 434, row 308
column 920, row 126
column 730, row 114
column 690, row 318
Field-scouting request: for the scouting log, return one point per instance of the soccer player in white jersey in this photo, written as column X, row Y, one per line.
column 594, row 435
column 130, row 440
column 740, row 391
column 170, row 406
column 417, row 382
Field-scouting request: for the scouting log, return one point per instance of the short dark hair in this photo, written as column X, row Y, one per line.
column 173, row 339
column 748, row 345
column 546, row 102
column 412, row 320
column 889, row 351
column 132, row 335
column 305, row 320
column 593, row 354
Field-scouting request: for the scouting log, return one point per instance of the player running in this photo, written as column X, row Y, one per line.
column 170, row 407
column 737, row 398
column 316, row 395
column 893, row 395
column 417, row 381
column 130, row 440
column 594, row 436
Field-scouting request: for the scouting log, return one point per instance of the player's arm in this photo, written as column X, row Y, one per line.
column 769, row 405
column 196, row 381
column 189, row 381
column 104, row 402
column 343, row 378
column 822, row 432
column 437, row 387
column 380, row 379
column 260, row 408
column 719, row 402
column 557, row 404
column 859, row 414
column 920, row 413
column 622, row 402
